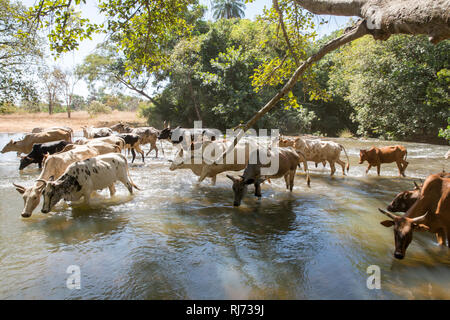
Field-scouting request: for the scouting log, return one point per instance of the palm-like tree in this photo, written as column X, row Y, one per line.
column 228, row 9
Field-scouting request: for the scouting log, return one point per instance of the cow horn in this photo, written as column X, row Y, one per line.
column 19, row 186
column 416, row 185
column 230, row 177
column 387, row 213
column 419, row 219
column 42, row 180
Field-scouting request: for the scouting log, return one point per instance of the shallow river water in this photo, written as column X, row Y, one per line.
column 179, row 240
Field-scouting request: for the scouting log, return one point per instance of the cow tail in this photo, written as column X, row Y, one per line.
column 406, row 154
column 129, row 176
column 305, row 164
column 348, row 160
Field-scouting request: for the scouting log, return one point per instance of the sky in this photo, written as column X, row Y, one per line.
column 71, row 59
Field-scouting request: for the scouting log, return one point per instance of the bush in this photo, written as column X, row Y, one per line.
column 7, row 108
column 96, row 108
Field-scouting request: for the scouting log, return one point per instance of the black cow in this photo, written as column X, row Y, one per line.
column 177, row 135
column 132, row 141
column 39, row 150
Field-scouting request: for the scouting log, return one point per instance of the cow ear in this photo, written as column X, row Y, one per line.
column 52, row 178
column 19, row 188
column 420, row 227
column 387, row 223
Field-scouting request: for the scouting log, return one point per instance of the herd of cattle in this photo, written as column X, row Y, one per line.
column 72, row 170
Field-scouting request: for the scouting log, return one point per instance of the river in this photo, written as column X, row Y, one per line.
column 179, row 240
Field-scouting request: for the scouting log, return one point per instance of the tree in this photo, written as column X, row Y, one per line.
column 53, row 82
column 68, row 80
column 227, row 9
column 19, row 54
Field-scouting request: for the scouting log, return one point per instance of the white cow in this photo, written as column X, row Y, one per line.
column 54, row 166
column 319, row 151
column 185, row 160
column 84, row 177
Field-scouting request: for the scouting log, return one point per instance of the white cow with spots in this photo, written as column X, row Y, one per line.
column 84, row 177
column 319, row 151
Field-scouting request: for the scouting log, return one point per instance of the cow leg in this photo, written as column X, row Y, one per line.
column 213, row 180
column 440, row 237
column 258, row 190
column 203, row 175
column 368, row 168
column 291, row 179
column 324, row 163
column 448, row 237
column 40, row 164
column 138, row 149
column 87, row 198
column 133, row 153
column 405, row 164
column 112, row 190
column 400, row 169
column 378, row 169
column 342, row 164
column 333, row 167
column 286, row 178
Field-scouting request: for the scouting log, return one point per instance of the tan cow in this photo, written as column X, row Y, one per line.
column 319, row 151
column 431, row 212
column 54, row 166
column 288, row 160
column 91, row 132
column 206, row 168
column 376, row 156
column 40, row 129
column 26, row 144
column 148, row 135
column 110, row 139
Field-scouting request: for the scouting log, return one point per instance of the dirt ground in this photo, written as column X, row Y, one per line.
column 25, row 122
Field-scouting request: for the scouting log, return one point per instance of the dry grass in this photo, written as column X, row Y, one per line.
column 25, row 122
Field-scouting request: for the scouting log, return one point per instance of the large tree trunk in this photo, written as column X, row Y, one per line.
column 387, row 17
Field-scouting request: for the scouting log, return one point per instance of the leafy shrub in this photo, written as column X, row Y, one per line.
column 95, row 108
column 7, row 108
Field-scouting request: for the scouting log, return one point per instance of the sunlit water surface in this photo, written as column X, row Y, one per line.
column 177, row 240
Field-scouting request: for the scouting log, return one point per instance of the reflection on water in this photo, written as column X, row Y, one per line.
column 176, row 239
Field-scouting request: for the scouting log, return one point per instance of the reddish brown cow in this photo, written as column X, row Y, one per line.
column 376, row 156
column 430, row 213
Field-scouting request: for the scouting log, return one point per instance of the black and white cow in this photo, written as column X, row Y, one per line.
column 180, row 135
column 133, row 142
column 84, row 177
column 39, row 151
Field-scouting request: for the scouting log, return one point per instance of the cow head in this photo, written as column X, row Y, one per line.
column 240, row 185
column 166, row 133
column 10, row 146
column 51, row 194
column 25, row 162
column 404, row 200
column 403, row 230
column 362, row 156
column 31, row 198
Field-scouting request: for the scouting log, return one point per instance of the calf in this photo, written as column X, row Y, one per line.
column 431, row 212
column 132, row 141
column 39, row 150
column 148, row 135
column 376, row 156
column 84, row 177
column 288, row 158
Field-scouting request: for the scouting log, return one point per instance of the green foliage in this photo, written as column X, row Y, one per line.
column 399, row 88
column 95, row 108
column 18, row 54
column 7, row 108
column 445, row 133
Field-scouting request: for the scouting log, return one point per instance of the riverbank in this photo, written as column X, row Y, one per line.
column 25, row 122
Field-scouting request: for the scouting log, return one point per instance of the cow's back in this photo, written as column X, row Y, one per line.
column 391, row 153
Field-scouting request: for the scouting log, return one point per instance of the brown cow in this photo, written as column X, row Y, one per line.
column 406, row 199
column 430, row 213
column 376, row 156
column 26, row 144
